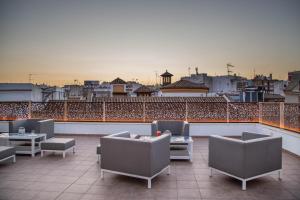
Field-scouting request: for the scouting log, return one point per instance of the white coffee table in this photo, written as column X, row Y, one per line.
column 25, row 137
column 181, row 148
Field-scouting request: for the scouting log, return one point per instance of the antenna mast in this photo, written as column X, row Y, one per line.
column 228, row 68
column 30, row 79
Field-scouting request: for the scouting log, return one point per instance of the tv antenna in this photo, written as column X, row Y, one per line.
column 189, row 69
column 228, row 68
column 30, row 79
column 156, row 77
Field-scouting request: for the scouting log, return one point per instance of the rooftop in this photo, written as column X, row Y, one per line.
column 77, row 177
column 118, row 81
column 166, row 74
column 184, row 84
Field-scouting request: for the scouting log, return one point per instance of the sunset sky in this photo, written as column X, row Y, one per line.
column 63, row 40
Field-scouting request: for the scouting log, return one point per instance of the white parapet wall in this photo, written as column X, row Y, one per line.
column 291, row 140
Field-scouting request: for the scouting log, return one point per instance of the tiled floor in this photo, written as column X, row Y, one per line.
column 77, row 177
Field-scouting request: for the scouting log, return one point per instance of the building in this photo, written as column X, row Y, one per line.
column 253, row 94
column 267, row 83
column 53, row 93
column 184, row 88
column 74, row 92
column 89, row 87
column 219, row 84
column 20, row 92
column 166, row 78
column 103, row 90
column 292, row 91
column 143, row 91
column 273, row 97
column 119, row 87
column 131, row 87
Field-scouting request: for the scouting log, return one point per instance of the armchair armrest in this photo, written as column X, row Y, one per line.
column 227, row 154
column 126, row 155
column 154, row 128
column 160, row 153
column 263, row 155
column 186, row 129
column 249, row 136
column 46, row 126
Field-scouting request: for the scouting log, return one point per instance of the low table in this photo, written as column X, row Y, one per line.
column 32, row 149
column 181, row 148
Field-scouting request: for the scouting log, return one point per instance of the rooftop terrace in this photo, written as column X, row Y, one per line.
column 77, row 177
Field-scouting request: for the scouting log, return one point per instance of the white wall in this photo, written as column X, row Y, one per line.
column 291, row 140
column 15, row 96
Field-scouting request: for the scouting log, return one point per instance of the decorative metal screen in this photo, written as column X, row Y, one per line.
column 85, row 111
column 206, row 112
column 124, row 111
column 14, row 110
column 164, row 111
column 270, row 114
column 146, row 110
column 50, row 110
column 243, row 112
column 292, row 116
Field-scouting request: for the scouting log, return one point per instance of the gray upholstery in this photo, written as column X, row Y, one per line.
column 245, row 158
column 6, row 152
column 177, row 128
column 250, row 136
column 98, row 149
column 38, row 125
column 59, row 144
column 134, row 156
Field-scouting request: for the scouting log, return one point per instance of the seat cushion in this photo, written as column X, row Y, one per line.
column 60, row 144
column 6, row 152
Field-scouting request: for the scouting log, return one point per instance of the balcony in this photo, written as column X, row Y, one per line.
column 78, row 177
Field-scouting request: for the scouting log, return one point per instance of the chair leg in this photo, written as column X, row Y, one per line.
column 14, row 158
column 169, row 170
column 98, row 159
column 101, row 174
column 64, row 154
column 279, row 175
column 210, row 174
column 149, row 183
column 73, row 150
column 42, row 153
column 243, row 185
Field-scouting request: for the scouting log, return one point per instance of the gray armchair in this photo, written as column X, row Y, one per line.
column 38, row 125
column 177, row 128
column 137, row 158
column 253, row 156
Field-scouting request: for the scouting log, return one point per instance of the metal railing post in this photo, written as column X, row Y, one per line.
column 144, row 111
column 186, row 110
column 29, row 109
column 260, row 105
column 65, row 111
column 227, row 113
column 281, row 108
column 103, row 108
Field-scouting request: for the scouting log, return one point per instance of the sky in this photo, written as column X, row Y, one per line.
column 59, row 41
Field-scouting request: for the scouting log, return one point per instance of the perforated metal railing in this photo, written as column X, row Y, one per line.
column 282, row 115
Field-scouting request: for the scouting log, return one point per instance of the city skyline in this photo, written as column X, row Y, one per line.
column 59, row 41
